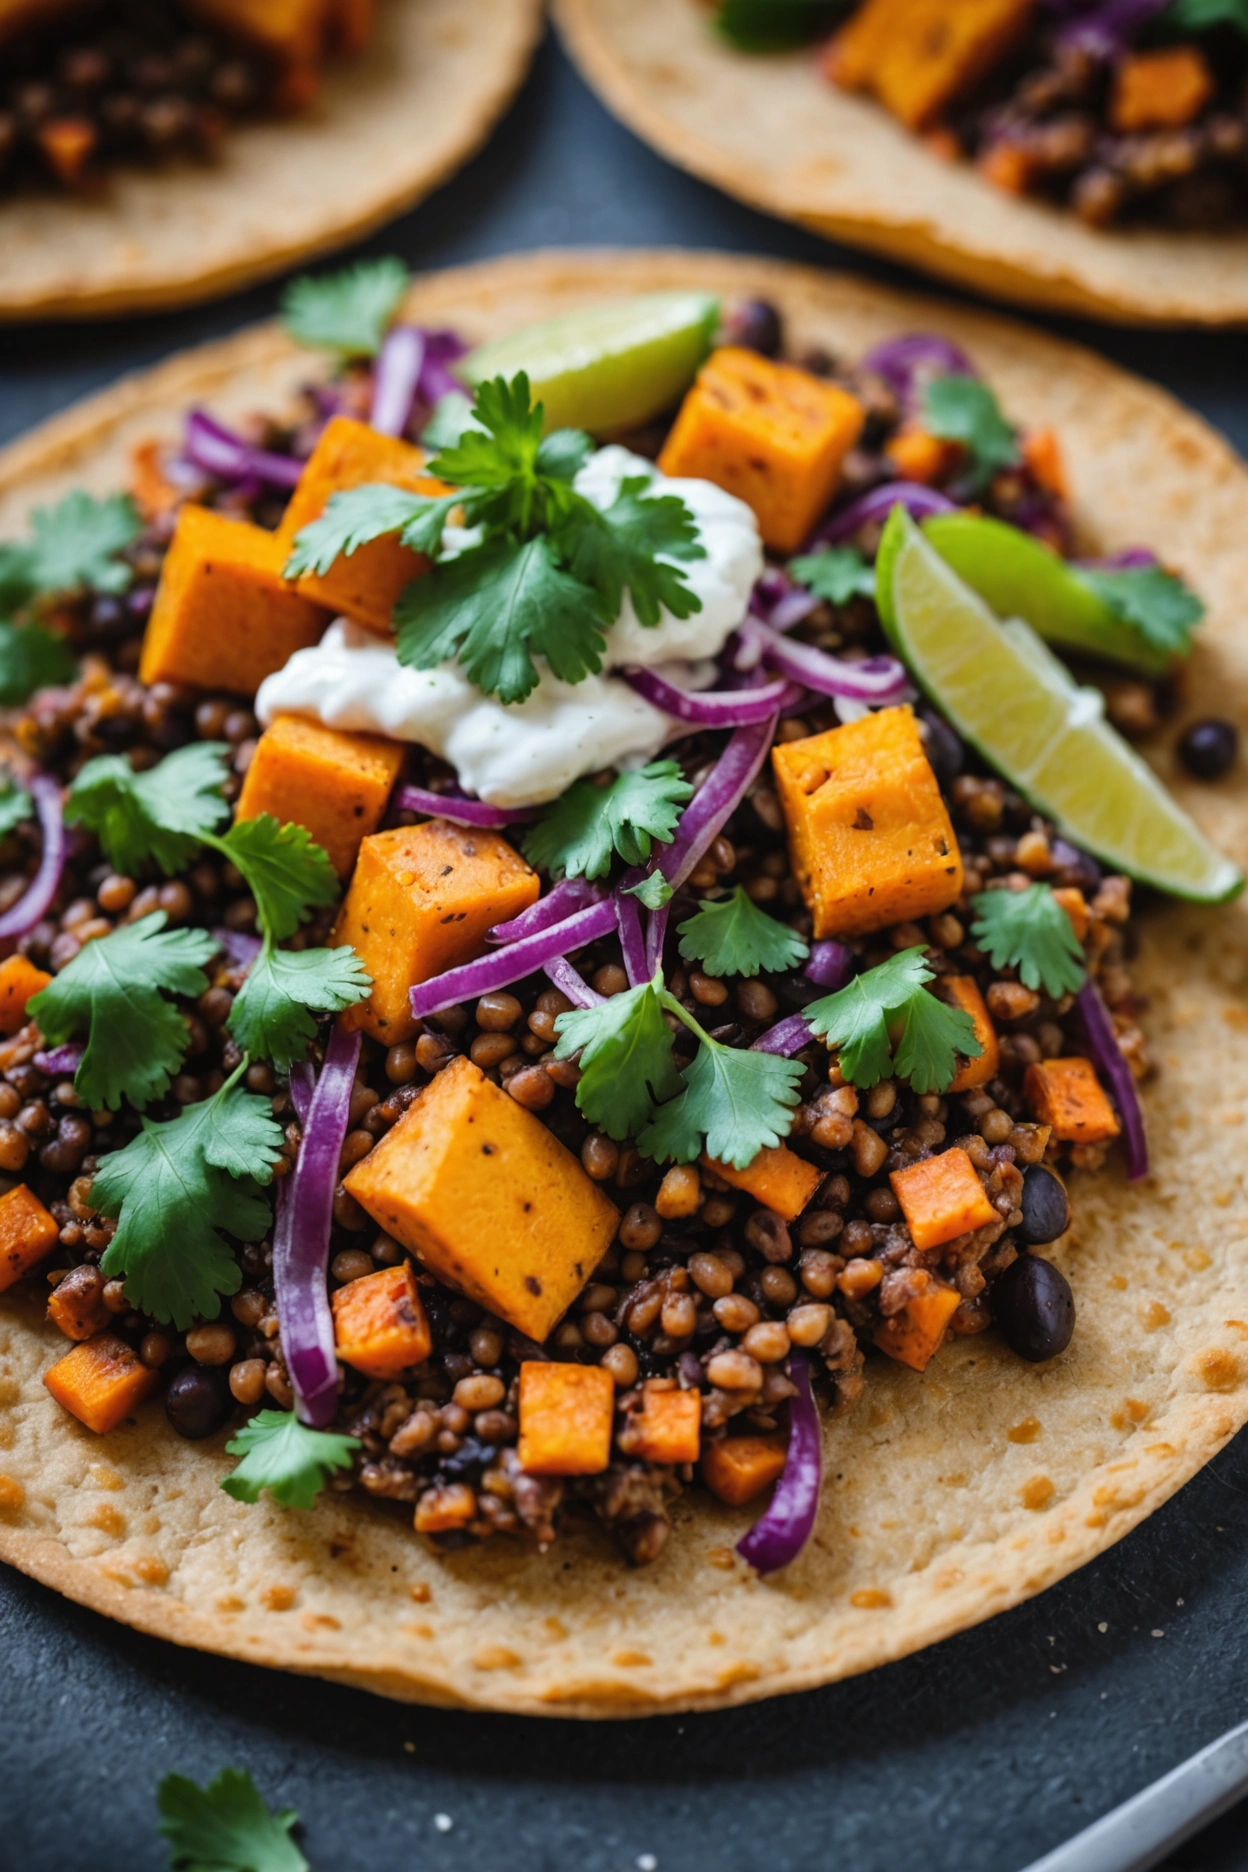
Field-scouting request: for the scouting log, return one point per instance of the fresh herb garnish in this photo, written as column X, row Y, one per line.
column 581, row 831
column 861, row 1020
column 282, row 1455
column 736, row 1103
column 626, row 1059
column 72, row 547
column 226, row 1826
column 347, row 311
column 16, row 806
column 1157, row 603
column 653, row 891
column 162, row 815
column 271, row 1019
column 1203, row 15
column 965, row 410
column 837, row 573
column 1030, row 931
column 775, row 25
column 732, row 936
column 31, row 658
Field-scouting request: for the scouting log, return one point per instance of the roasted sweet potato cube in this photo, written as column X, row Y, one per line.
column 664, row 1427
column 77, row 1303
column 224, row 617
column 366, row 583
column 566, row 1412
column 777, row 1177
column 869, row 834
column 420, row 901
column 336, row 784
column 770, row 433
column 445, row 1508
column 916, row 1334
column 919, row 456
column 101, row 1381
column 27, row 1234
column 1075, row 904
column 962, row 991
column 1042, row 453
column 379, row 1322
column 488, row 1198
column 1160, row 90
column 941, row 1197
column 737, row 1468
column 20, row 982
column 919, row 56
column 1067, row 1094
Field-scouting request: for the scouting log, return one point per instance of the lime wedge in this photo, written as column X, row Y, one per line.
column 1007, row 693
column 1018, row 577
column 609, row 367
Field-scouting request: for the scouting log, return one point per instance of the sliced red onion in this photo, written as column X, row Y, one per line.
column 561, row 901
column 563, row 976
column 632, row 942
column 302, row 1086
column 1131, row 559
column 512, row 964
column 708, row 708
column 787, row 1037
column 875, row 679
column 1108, row 1056
column 220, row 452
column 656, row 936
column 714, row 802
column 794, row 608
column 779, row 1535
column 22, row 916
column 238, row 947
column 829, row 964
column 61, row 1062
column 442, row 349
column 899, row 361
column 396, row 378
column 1107, row 31
column 461, row 811
column 305, row 1209
column 918, row 501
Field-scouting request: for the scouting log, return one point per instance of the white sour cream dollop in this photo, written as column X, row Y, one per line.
column 532, row 750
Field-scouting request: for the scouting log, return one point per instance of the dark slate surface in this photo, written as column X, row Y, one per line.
column 975, row 1756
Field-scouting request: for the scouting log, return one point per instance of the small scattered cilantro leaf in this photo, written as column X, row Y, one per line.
column 732, row 936
column 504, row 445
column 1030, row 931
column 626, row 548
column 1156, row 603
column 161, row 815
column 626, row 1059
column 31, row 658
column 965, row 410
column 226, row 1826
column 933, row 1036
column 837, row 573
column 347, row 311
column 654, row 890
column 286, row 871
column 16, row 806
column 270, row 1018
column 857, row 1019
column 353, row 517
column 579, row 833
column 563, row 453
column 735, row 1103
column 286, row 1457
column 113, row 991
column 775, row 25
column 1203, row 15
column 74, row 545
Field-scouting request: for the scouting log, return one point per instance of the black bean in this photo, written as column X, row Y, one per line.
column 1045, row 1206
column 945, row 752
column 1208, row 748
column 198, row 1401
column 1034, row 1307
column 756, row 325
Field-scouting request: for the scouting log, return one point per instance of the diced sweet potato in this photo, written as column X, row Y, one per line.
column 566, row 1412
column 101, row 1381
column 224, row 617
column 962, row 991
column 20, row 982
column 1011, row 167
column 445, row 1509
column 27, row 1234
column 67, row 144
column 1160, row 90
column 363, row 584
column 1075, row 904
column 1067, row 1094
column 420, row 901
column 920, row 456
column 869, row 834
column 336, row 784
column 941, row 1197
column 916, row 1334
column 737, row 1468
column 1042, row 453
column 919, row 56
column 666, row 1427
column 379, row 1322
column 77, row 1303
column 488, row 1198
column 777, row 1177
column 771, row 434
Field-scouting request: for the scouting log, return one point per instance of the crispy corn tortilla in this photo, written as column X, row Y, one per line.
column 771, row 130
column 949, row 1496
column 391, row 123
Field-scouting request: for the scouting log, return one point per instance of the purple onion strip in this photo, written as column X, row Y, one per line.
column 715, row 801
column 461, row 811
column 22, row 916
column 829, row 964
column 918, row 501
column 61, row 1062
column 899, row 360
column 708, row 708
column 302, row 1086
column 780, row 1534
column 787, row 1037
column 442, row 348
column 1108, row 1055
column 632, row 942
column 1105, row 32
column 219, row 451
column 396, row 379
column 561, row 901
column 504, row 966
column 564, row 977
column 875, row 679
column 238, row 946
column 1131, row 559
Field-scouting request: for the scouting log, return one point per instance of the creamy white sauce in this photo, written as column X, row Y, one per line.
column 522, row 754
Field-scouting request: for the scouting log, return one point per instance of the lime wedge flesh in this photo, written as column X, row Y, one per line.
column 605, row 368
column 1006, row 692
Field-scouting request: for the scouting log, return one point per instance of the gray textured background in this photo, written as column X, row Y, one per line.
column 973, row 1757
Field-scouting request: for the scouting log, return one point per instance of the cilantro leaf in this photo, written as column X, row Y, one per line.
column 857, row 1020
column 347, row 311
column 562, row 454
column 16, row 806
column 736, row 1103
column 1159, row 605
column 965, row 410
column 732, row 936
column 654, row 890
column 452, row 414
column 1203, row 15
column 113, row 991
column 1028, row 929
column 626, row 1059
column 174, row 1187
column 226, row 1826
column 31, row 658
column 73, row 546
column 931, row 1040
column 163, row 814
column 837, row 573
column 775, row 25
column 579, row 832
column 270, row 1018
column 282, row 1455
column 503, row 447
column 620, row 550
column 354, row 516
column 286, row 871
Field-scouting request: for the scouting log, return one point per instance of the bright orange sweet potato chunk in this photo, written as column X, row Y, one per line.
column 1042, row 453
column 869, row 834
column 27, row 1234
column 777, row 1177
column 1161, row 90
column 379, row 1322
column 920, row 456
column 336, row 784
column 916, row 1334
column 101, row 1381
column 1067, row 1094
column 363, row 584
column 962, row 991
column 770, row 433
column 488, row 1198
column 941, row 1197
column 566, row 1412
column 420, row 901
column 224, row 617
column 667, row 1428
column 445, row 1509
column 20, row 982
column 737, row 1468
column 1075, row 904
column 77, row 1304
column 918, row 56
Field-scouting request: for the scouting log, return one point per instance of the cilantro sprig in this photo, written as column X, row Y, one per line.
column 72, row 547
column 31, row 657
column 581, row 831
column 885, row 1022
column 1156, row 603
column 1203, row 15
column 1030, row 931
column 965, row 410
column 837, row 573
column 775, row 25
column 225, row 1827
column 732, row 936
column 348, row 311
column 285, row 1457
